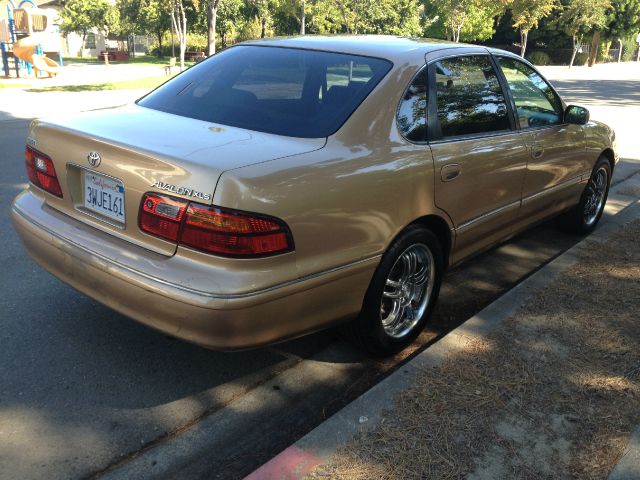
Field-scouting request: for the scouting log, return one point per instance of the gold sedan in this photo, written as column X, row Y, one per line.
column 283, row 186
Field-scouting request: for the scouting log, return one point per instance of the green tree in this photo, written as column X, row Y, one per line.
column 292, row 10
column 229, row 17
column 526, row 16
column 622, row 19
column 81, row 16
column 179, row 22
column 263, row 11
column 579, row 17
column 154, row 19
column 466, row 20
column 400, row 17
column 455, row 15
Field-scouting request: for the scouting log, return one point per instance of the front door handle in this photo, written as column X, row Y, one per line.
column 450, row 172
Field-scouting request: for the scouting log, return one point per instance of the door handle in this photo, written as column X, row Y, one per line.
column 450, row 172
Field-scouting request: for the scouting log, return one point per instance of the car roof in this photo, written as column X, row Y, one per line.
column 389, row 47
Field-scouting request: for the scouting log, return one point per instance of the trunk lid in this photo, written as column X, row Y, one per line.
column 149, row 151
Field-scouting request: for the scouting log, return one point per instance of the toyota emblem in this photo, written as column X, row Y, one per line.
column 94, row 159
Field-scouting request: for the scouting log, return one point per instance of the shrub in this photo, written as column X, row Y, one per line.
column 603, row 51
column 195, row 43
column 539, row 58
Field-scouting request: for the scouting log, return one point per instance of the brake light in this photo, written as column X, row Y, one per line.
column 213, row 229
column 161, row 215
column 41, row 171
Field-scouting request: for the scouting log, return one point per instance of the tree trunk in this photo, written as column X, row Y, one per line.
column 159, row 43
column 594, row 49
column 183, row 43
column 524, row 35
column 575, row 51
column 303, row 18
column 179, row 21
column 173, row 43
column 223, row 39
column 620, row 50
column 212, row 18
column 263, row 31
column 84, row 36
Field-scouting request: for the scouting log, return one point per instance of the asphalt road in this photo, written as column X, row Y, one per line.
column 83, row 388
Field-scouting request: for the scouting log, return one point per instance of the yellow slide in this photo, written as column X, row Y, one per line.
column 24, row 49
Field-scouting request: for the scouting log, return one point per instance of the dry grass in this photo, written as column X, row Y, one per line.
column 555, row 392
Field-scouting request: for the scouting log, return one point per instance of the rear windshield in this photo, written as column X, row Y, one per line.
column 292, row 92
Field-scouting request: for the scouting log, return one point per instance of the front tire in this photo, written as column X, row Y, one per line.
column 401, row 294
column 584, row 217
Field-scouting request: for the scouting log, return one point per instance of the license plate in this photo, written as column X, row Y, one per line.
column 104, row 195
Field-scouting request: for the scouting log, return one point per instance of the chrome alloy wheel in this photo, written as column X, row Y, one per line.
column 595, row 194
column 407, row 290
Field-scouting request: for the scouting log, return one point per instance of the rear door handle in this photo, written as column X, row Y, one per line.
column 450, row 172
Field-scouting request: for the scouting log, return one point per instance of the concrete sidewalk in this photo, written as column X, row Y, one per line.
column 368, row 412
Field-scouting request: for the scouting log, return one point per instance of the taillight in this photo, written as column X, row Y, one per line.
column 161, row 215
column 41, row 171
column 213, row 229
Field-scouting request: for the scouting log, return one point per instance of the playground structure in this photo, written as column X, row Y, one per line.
column 22, row 37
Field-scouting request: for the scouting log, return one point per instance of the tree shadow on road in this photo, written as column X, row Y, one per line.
column 618, row 93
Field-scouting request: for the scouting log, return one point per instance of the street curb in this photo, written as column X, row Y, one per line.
column 364, row 413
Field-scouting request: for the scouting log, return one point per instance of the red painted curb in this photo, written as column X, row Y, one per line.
column 291, row 464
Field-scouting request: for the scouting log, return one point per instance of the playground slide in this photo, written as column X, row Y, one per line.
column 24, row 49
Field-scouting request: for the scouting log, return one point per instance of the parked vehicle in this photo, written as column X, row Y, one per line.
column 283, row 186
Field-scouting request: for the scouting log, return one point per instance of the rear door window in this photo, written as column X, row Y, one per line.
column 469, row 97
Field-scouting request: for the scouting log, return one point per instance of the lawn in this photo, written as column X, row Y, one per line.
column 146, row 83
column 13, row 85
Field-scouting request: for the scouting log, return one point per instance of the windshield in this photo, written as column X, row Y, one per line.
column 285, row 91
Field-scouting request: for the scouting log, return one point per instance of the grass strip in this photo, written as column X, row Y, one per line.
column 553, row 393
column 146, row 83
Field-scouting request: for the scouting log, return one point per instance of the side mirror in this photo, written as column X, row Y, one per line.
column 576, row 115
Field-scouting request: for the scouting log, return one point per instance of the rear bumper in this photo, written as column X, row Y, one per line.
column 84, row 258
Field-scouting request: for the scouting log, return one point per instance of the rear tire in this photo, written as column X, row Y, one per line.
column 401, row 295
column 584, row 217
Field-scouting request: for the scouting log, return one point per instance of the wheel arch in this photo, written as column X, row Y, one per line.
column 442, row 231
column 609, row 155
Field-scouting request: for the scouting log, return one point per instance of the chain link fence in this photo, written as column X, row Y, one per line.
column 140, row 44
